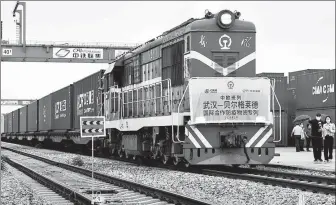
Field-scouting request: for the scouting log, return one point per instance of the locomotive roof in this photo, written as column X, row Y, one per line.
column 203, row 24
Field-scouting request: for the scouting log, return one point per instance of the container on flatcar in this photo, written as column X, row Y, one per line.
column 86, row 96
column 3, row 124
column 23, row 119
column 10, row 122
column 316, row 90
column 62, row 112
column 16, row 120
column 33, row 114
column 292, row 76
column 284, row 128
column 45, row 110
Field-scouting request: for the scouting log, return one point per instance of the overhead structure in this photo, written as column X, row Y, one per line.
column 15, row 102
column 23, row 51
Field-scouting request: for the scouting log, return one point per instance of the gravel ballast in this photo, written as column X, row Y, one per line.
column 216, row 190
column 15, row 191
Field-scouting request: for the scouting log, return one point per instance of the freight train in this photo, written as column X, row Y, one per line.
column 189, row 96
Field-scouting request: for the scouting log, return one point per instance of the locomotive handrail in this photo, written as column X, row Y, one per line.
column 178, row 111
column 275, row 97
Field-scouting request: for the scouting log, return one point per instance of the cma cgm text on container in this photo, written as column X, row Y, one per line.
column 316, row 90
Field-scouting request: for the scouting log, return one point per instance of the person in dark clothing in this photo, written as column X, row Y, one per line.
column 316, row 132
column 328, row 136
column 308, row 136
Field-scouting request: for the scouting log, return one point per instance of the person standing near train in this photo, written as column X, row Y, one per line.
column 328, row 136
column 316, row 125
column 297, row 133
column 308, row 136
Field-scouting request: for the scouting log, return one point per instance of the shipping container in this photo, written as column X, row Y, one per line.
column 86, row 96
column 33, row 114
column 10, row 122
column 292, row 76
column 62, row 112
column 284, row 129
column 312, row 114
column 16, row 121
column 3, row 124
column 316, row 90
column 270, row 75
column 44, row 107
column 23, row 119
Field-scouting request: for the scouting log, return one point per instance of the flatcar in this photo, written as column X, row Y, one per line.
column 189, row 96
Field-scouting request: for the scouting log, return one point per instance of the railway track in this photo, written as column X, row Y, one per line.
column 115, row 190
column 320, row 184
column 317, row 184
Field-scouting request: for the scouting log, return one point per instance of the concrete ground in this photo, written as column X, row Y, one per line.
column 289, row 156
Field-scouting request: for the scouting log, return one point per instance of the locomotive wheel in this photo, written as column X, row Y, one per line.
column 165, row 159
column 186, row 164
column 176, row 161
column 120, row 153
column 127, row 156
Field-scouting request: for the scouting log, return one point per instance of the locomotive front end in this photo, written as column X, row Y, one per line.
column 230, row 119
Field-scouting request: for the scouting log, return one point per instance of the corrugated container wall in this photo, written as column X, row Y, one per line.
column 16, row 120
column 23, row 119
column 45, row 113
column 3, row 124
column 86, row 97
column 284, row 129
column 292, row 76
column 316, row 90
column 33, row 116
column 62, row 117
column 10, row 122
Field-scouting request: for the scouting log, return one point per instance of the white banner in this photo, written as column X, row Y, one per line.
column 228, row 100
column 78, row 53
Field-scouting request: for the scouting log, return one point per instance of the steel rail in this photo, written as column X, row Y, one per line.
column 144, row 189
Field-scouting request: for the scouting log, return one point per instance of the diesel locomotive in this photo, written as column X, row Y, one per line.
column 189, row 96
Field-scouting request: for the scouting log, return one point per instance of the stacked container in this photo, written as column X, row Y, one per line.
column 44, row 110
column 32, row 115
column 86, row 97
column 315, row 93
column 16, row 121
column 280, row 88
column 23, row 119
column 62, row 112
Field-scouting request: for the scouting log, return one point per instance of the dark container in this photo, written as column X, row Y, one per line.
column 292, row 76
column 44, row 108
column 10, row 122
column 284, row 129
column 62, row 112
column 86, row 97
column 316, row 90
column 33, row 114
column 312, row 114
column 23, row 119
column 270, row 75
column 4, row 124
column 16, row 121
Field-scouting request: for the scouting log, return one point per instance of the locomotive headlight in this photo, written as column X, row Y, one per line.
column 225, row 19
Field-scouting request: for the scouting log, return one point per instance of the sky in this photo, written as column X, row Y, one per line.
column 290, row 35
